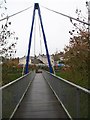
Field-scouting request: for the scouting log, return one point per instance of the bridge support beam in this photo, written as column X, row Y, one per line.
column 36, row 7
column 29, row 46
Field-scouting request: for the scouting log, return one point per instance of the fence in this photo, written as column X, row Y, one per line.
column 73, row 98
column 13, row 93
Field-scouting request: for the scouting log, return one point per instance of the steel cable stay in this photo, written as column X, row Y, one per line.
column 40, row 36
column 35, row 38
column 66, row 16
column 9, row 16
column 49, row 10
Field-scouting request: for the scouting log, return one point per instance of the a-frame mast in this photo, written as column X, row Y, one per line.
column 36, row 7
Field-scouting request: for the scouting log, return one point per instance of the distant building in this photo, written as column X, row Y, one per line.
column 39, row 60
column 44, row 59
column 22, row 61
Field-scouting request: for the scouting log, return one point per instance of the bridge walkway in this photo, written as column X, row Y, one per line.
column 40, row 102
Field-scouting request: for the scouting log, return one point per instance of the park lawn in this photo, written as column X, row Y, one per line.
column 76, row 78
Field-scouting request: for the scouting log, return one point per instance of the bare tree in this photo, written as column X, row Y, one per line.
column 7, row 36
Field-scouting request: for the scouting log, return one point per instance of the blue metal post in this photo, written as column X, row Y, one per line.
column 45, row 42
column 29, row 46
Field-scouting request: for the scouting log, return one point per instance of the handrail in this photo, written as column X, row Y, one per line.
column 10, row 83
column 13, row 93
column 70, row 83
column 73, row 98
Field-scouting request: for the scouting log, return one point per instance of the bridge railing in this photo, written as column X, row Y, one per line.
column 13, row 93
column 72, row 97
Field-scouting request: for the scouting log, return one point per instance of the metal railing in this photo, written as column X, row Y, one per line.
column 13, row 93
column 73, row 98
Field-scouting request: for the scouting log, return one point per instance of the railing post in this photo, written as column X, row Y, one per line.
column 77, row 103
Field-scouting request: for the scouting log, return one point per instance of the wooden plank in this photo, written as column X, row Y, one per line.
column 40, row 102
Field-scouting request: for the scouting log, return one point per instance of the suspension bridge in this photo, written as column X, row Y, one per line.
column 43, row 95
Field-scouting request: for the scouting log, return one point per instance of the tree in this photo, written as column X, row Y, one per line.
column 7, row 37
column 76, row 54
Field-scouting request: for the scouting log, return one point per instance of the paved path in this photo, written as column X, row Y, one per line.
column 40, row 102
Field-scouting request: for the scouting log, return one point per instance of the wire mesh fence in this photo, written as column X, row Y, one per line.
column 74, row 98
column 13, row 93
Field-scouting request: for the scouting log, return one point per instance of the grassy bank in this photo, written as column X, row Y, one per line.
column 8, row 77
column 76, row 77
column 10, row 73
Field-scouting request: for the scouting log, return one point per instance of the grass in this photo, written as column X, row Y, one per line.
column 10, row 77
column 10, row 73
column 76, row 77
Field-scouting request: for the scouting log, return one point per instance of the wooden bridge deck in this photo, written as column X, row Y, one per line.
column 40, row 102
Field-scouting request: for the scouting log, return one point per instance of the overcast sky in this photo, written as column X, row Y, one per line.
column 56, row 26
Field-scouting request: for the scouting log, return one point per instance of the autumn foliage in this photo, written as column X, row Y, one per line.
column 76, row 53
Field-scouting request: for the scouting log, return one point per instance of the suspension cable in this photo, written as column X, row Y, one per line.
column 15, row 14
column 34, row 37
column 66, row 16
column 40, row 36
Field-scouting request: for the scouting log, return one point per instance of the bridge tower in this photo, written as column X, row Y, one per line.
column 36, row 7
